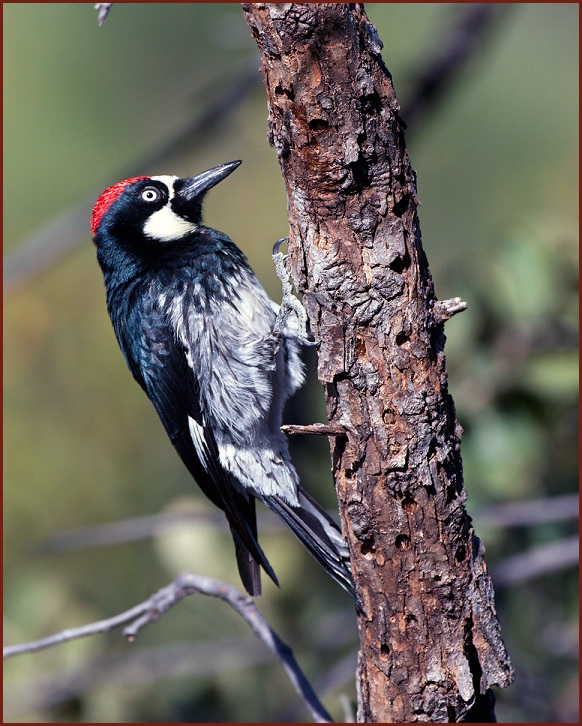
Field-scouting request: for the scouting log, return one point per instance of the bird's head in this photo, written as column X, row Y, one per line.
column 146, row 210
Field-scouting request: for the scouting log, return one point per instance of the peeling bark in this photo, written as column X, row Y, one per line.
column 431, row 647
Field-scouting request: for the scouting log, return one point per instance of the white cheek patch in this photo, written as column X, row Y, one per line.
column 165, row 225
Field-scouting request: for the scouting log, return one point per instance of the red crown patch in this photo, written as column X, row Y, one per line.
column 107, row 199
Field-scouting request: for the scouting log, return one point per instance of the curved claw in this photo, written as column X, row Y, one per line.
column 310, row 343
column 278, row 244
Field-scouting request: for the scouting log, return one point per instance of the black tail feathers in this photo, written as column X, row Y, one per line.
column 310, row 523
column 248, row 567
column 249, row 555
column 320, row 535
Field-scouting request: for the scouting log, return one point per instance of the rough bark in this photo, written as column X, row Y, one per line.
column 431, row 647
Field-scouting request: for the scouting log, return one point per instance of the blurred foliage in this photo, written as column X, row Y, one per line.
column 498, row 181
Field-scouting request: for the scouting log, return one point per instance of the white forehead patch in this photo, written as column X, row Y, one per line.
column 165, row 225
column 168, row 181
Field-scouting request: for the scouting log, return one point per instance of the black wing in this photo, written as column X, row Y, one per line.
column 160, row 366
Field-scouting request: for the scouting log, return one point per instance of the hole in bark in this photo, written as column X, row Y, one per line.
column 317, row 124
column 280, row 91
column 384, row 649
column 367, row 547
column 371, row 102
column 340, row 447
column 410, row 618
column 400, row 207
column 409, row 504
column 461, row 553
column 432, row 447
column 401, row 338
column 400, row 264
column 402, row 541
column 360, row 172
column 360, row 346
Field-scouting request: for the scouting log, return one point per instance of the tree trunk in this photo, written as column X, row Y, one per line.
column 431, row 647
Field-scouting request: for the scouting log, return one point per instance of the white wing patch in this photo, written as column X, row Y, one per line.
column 197, row 434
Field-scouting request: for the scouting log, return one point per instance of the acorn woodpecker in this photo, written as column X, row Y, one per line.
column 203, row 339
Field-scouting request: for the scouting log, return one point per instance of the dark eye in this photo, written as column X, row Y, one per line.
column 151, row 194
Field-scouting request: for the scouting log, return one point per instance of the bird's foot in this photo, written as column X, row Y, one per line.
column 289, row 304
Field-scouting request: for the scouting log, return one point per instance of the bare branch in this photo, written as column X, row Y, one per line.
column 101, row 626
column 338, row 675
column 333, row 632
column 316, row 429
column 154, row 607
column 443, row 310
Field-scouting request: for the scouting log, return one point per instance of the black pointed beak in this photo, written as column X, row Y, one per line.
column 197, row 186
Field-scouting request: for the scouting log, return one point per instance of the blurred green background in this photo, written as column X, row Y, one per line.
column 498, row 181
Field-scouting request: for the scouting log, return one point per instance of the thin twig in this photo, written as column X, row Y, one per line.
column 316, row 429
column 340, row 674
column 154, row 607
column 444, row 310
column 333, row 632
